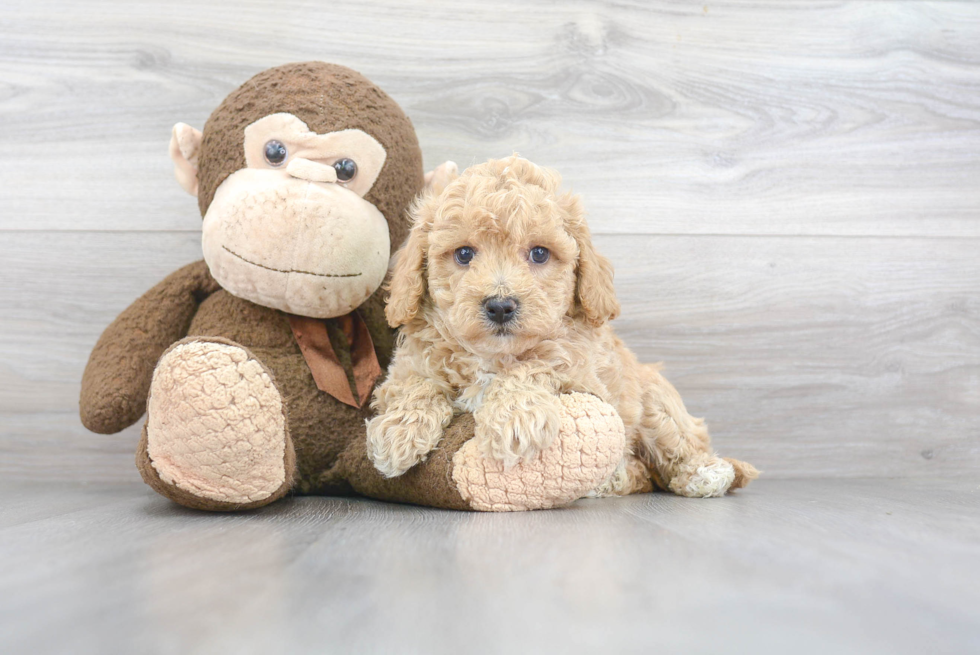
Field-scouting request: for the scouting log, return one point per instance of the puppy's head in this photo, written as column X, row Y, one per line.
column 499, row 259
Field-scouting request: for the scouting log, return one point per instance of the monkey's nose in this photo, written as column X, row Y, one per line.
column 311, row 171
column 500, row 310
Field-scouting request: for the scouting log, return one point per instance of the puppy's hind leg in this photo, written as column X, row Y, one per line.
column 677, row 447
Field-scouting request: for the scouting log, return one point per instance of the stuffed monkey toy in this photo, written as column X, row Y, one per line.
column 255, row 366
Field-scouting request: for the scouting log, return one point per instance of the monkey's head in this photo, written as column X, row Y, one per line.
column 303, row 176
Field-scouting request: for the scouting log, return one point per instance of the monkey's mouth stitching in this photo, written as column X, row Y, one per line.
column 288, row 270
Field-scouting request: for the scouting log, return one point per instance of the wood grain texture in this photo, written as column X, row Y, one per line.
column 815, row 566
column 789, row 191
column 773, row 117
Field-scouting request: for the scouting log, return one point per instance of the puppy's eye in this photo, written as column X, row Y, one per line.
column 539, row 254
column 346, row 170
column 275, row 153
column 464, row 255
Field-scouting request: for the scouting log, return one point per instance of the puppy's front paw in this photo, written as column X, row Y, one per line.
column 399, row 439
column 517, row 428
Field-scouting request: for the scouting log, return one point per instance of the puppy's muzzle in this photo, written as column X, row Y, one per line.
column 500, row 310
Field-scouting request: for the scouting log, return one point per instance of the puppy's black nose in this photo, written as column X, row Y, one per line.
column 500, row 310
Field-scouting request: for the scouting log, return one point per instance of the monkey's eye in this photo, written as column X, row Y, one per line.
column 346, row 169
column 464, row 255
column 275, row 153
column 539, row 254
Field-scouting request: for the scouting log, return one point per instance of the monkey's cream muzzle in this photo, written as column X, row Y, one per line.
column 307, row 248
column 285, row 231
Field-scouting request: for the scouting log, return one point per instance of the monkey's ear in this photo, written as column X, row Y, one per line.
column 185, row 146
column 437, row 180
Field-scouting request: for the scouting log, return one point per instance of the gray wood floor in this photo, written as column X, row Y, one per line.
column 849, row 566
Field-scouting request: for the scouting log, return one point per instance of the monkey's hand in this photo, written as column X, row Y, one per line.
column 119, row 370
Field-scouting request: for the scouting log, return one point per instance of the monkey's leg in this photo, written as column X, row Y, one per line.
column 677, row 447
column 215, row 436
column 588, row 448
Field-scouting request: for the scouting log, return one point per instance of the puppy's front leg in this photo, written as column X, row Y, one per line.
column 520, row 415
column 415, row 413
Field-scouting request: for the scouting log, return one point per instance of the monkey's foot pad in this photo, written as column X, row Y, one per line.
column 215, row 425
column 590, row 445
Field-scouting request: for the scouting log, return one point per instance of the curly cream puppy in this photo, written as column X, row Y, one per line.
column 504, row 304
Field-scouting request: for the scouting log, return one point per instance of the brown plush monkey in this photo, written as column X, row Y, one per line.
column 255, row 365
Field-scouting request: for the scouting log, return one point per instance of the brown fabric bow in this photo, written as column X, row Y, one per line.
column 329, row 374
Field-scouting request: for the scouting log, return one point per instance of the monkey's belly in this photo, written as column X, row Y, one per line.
column 319, row 425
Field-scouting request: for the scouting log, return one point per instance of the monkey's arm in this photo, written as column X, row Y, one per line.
column 117, row 377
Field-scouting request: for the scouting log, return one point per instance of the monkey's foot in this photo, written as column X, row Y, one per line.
column 590, row 445
column 215, row 436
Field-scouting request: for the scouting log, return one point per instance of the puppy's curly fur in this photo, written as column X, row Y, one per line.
column 452, row 355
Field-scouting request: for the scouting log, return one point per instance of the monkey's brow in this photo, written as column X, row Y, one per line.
column 288, row 270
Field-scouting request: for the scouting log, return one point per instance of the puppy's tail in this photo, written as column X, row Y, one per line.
column 744, row 473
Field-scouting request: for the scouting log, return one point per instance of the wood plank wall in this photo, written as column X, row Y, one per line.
column 790, row 192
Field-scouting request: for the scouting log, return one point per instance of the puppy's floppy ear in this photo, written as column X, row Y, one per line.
column 595, row 295
column 407, row 285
